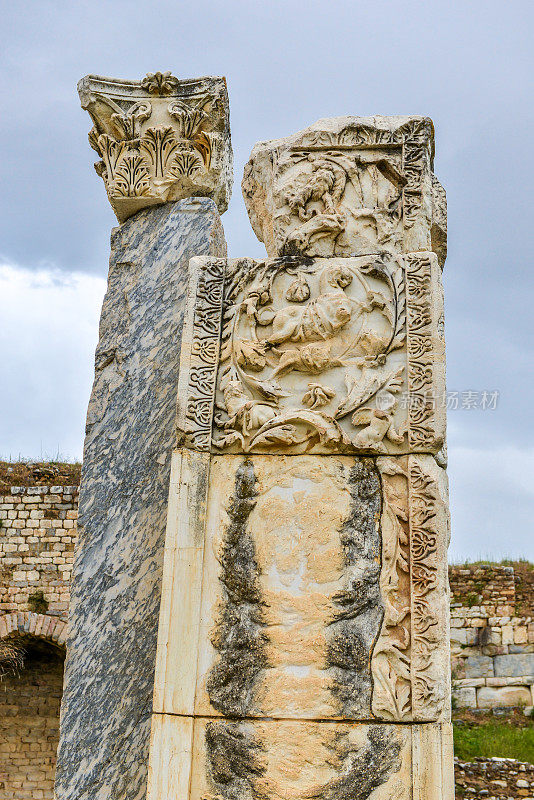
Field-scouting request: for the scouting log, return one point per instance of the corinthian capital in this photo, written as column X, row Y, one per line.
column 160, row 139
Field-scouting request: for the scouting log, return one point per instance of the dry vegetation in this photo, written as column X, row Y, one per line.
column 38, row 473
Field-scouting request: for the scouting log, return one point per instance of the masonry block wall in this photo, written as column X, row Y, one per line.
column 37, row 540
column 492, row 636
column 29, row 726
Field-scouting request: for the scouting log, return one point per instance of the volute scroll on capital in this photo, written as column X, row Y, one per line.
column 160, row 139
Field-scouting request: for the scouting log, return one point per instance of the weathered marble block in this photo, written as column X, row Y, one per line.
column 321, row 355
column 160, row 139
column 305, row 587
column 131, row 431
column 212, row 759
column 348, row 186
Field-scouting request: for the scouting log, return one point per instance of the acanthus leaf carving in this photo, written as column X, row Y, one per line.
column 125, row 171
column 175, row 134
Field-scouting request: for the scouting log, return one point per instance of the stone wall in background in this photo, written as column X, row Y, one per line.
column 496, row 777
column 37, row 538
column 29, row 724
column 38, row 518
column 492, row 635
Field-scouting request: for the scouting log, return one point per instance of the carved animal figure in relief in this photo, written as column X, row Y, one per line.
column 379, row 426
column 311, row 358
column 319, row 319
column 326, row 184
column 245, row 414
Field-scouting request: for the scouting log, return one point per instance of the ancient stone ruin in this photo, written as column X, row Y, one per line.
column 263, row 468
column 492, row 633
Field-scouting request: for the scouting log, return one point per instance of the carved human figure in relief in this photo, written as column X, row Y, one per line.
column 318, row 319
column 326, row 183
column 343, row 196
column 379, row 425
column 243, row 412
column 334, row 320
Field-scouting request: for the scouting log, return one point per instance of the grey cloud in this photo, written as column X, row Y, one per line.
column 287, row 64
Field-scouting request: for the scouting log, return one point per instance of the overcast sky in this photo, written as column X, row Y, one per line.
column 465, row 63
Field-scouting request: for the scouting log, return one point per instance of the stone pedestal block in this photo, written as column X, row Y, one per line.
column 131, row 430
column 348, row 186
column 317, row 355
column 205, row 758
column 305, row 587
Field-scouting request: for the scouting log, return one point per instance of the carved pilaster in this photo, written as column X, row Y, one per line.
column 160, row 139
column 303, row 646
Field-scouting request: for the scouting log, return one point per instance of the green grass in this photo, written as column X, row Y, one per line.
column 494, row 739
column 491, row 561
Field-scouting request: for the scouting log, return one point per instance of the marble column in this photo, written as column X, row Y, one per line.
column 303, row 636
column 166, row 162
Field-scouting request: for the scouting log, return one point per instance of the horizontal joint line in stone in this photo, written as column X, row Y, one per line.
column 359, row 453
column 330, row 721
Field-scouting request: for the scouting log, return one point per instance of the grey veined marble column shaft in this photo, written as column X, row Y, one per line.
column 131, row 420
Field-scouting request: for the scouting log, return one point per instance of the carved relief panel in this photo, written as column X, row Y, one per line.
column 346, row 187
column 159, row 139
column 317, row 355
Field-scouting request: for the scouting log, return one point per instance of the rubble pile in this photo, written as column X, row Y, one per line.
column 494, row 778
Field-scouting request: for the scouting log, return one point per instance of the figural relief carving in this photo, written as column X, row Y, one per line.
column 159, row 139
column 346, row 187
column 317, row 195
column 317, row 355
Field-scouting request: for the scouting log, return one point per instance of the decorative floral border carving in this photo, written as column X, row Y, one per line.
column 420, row 350
column 408, row 669
column 428, row 682
column 200, row 354
column 390, row 662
